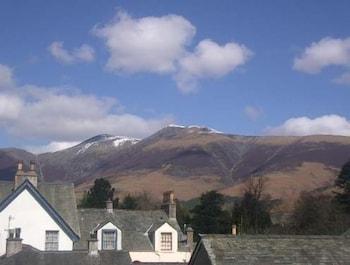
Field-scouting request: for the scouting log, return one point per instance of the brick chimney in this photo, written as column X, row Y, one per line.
column 109, row 206
column 30, row 175
column 189, row 233
column 93, row 245
column 13, row 242
column 169, row 204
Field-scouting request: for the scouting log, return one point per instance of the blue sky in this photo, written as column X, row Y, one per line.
column 72, row 69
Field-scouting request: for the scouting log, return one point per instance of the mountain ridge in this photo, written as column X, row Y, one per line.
column 192, row 160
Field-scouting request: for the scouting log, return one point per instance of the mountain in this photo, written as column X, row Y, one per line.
column 194, row 159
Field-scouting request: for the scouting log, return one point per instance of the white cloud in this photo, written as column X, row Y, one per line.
column 326, row 52
column 148, row 44
column 6, row 76
column 84, row 53
column 209, row 60
column 50, row 147
column 253, row 113
column 160, row 45
column 344, row 79
column 60, row 115
column 328, row 124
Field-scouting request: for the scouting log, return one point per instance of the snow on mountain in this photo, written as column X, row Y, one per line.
column 116, row 141
column 202, row 129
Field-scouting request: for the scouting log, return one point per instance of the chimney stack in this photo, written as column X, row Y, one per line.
column 20, row 165
column 13, row 242
column 234, row 230
column 32, row 165
column 169, row 204
column 93, row 245
column 189, row 233
column 109, row 206
column 30, row 175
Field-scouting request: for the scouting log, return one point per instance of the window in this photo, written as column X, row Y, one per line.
column 166, row 242
column 51, row 241
column 109, row 238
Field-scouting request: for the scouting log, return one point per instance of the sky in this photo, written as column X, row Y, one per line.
column 70, row 70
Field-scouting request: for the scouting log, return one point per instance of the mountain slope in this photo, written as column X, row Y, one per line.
column 195, row 159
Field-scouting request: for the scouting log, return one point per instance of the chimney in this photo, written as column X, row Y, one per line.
column 13, row 242
column 109, row 206
column 21, row 175
column 234, row 230
column 93, row 245
column 20, row 165
column 32, row 165
column 189, row 232
column 169, row 204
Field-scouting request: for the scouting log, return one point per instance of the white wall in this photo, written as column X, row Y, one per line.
column 111, row 227
column 165, row 228
column 33, row 220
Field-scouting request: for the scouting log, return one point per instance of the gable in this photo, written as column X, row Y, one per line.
column 27, row 187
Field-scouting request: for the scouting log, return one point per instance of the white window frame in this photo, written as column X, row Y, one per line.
column 51, row 244
column 166, row 242
column 105, row 247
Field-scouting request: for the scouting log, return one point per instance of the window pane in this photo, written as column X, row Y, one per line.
column 109, row 239
column 166, row 241
column 51, row 240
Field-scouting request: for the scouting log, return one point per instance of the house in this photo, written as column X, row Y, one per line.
column 271, row 249
column 41, row 220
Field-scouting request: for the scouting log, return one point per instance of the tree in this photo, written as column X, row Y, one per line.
column 129, row 203
column 182, row 215
column 97, row 196
column 318, row 214
column 251, row 213
column 140, row 201
column 343, row 183
column 209, row 216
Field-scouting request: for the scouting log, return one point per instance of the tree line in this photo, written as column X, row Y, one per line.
column 313, row 213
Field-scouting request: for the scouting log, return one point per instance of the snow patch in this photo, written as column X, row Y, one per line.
column 122, row 140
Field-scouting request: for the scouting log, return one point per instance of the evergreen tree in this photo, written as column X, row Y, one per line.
column 209, row 216
column 343, row 183
column 97, row 196
column 129, row 203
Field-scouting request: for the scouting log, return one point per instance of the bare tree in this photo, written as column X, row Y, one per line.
column 255, row 186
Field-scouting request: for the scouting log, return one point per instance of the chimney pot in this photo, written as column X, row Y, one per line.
column 32, row 165
column 169, row 204
column 234, row 230
column 109, row 206
column 20, row 165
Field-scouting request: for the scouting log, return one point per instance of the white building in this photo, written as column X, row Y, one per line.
column 45, row 217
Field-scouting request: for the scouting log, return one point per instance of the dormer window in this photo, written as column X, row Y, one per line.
column 109, row 239
column 166, row 242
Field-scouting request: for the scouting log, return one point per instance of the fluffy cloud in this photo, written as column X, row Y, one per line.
column 253, row 113
column 160, row 45
column 328, row 124
column 6, row 79
column 209, row 60
column 60, row 115
column 149, row 44
column 84, row 53
column 326, row 52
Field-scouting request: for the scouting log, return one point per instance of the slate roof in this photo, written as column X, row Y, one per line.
column 260, row 250
column 133, row 224
column 60, row 196
column 31, row 256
